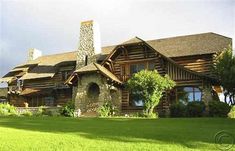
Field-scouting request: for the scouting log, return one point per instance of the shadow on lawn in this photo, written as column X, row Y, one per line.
column 186, row 132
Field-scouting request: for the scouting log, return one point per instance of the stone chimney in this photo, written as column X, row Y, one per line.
column 89, row 43
column 34, row 54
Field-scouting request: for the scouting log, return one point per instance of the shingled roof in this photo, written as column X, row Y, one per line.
column 205, row 43
column 44, row 66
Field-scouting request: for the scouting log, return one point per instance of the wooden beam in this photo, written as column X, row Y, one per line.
column 145, row 51
column 125, row 52
column 110, row 66
column 111, row 62
column 135, row 60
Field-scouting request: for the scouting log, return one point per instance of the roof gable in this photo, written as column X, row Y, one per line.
column 132, row 41
column 94, row 67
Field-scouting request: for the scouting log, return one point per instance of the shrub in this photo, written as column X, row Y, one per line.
column 150, row 115
column 149, row 86
column 106, row 109
column 231, row 114
column 196, row 109
column 134, row 114
column 218, row 109
column 7, row 109
column 27, row 113
column 40, row 111
column 178, row 110
column 68, row 109
column 51, row 112
column 164, row 113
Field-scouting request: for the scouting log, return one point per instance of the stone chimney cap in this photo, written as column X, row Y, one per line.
column 87, row 22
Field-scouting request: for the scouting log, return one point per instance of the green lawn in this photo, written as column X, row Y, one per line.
column 58, row 133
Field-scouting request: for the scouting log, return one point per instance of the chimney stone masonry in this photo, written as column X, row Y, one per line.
column 89, row 43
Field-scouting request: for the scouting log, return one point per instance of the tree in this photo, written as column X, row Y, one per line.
column 224, row 69
column 149, row 86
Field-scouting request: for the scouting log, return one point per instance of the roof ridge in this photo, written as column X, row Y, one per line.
column 56, row 54
column 188, row 35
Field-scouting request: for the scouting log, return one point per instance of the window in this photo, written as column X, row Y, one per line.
column 188, row 94
column 49, row 101
column 134, row 68
column 135, row 100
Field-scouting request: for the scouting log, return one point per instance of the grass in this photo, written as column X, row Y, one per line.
column 59, row 133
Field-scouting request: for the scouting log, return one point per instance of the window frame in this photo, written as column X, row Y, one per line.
column 127, row 67
column 188, row 92
column 132, row 101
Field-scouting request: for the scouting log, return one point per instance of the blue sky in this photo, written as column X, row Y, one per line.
column 53, row 25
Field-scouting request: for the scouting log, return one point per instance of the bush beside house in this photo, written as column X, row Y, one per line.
column 218, row 109
column 7, row 110
column 149, row 86
column 192, row 109
column 68, row 110
column 197, row 109
column 178, row 110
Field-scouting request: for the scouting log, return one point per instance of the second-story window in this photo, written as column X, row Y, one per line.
column 134, row 68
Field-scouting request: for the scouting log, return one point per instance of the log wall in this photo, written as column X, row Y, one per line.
column 124, row 56
column 54, row 86
column 199, row 63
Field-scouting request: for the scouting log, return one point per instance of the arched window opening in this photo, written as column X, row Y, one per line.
column 93, row 91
